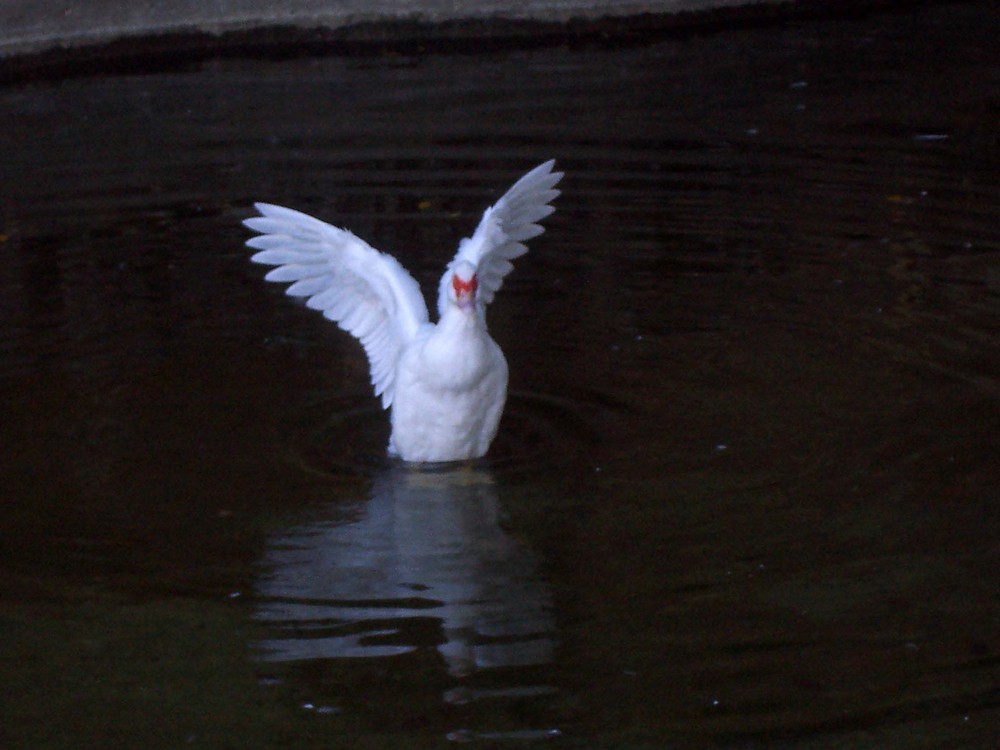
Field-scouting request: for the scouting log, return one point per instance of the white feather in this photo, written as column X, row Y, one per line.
column 446, row 383
column 349, row 281
column 497, row 239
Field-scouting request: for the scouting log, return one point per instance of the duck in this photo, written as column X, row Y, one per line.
column 444, row 384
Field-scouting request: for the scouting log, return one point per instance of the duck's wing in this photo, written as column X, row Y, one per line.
column 366, row 292
column 502, row 231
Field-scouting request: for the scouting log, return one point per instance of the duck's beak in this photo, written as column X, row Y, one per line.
column 465, row 292
column 466, row 301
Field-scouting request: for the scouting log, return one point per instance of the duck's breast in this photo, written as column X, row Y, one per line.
column 448, row 399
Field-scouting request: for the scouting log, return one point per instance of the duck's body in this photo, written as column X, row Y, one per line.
column 445, row 384
column 451, row 385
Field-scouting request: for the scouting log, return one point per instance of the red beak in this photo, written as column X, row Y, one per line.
column 465, row 291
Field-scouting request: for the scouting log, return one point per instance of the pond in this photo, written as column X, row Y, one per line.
column 745, row 491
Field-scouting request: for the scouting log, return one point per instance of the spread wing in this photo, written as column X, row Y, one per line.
column 367, row 293
column 501, row 233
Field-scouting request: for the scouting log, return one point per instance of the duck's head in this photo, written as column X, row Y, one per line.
column 464, row 285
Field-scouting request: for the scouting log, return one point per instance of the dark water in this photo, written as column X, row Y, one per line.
column 746, row 492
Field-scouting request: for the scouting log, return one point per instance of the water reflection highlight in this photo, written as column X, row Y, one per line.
column 423, row 563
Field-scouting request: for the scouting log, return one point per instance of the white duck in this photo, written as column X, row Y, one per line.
column 445, row 384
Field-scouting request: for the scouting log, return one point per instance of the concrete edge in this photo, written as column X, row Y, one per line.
column 413, row 27
column 33, row 28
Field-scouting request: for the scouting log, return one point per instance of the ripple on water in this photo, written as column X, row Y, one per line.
column 538, row 432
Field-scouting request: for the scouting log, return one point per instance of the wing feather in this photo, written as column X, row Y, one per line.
column 502, row 231
column 367, row 293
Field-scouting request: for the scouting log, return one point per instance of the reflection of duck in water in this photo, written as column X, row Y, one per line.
column 446, row 383
column 426, row 549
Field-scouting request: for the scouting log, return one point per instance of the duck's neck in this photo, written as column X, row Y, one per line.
column 459, row 350
column 459, row 322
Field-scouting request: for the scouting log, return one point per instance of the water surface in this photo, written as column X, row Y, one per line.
column 745, row 491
